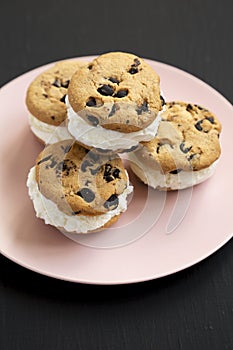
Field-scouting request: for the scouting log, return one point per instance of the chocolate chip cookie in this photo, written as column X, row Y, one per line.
column 80, row 181
column 46, row 95
column 117, row 91
column 187, row 143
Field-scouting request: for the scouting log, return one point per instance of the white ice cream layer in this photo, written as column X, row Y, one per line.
column 183, row 179
column 99, row 137
column 49, row 212
column 48, row 133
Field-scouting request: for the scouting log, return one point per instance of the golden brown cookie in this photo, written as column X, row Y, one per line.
column 79, row 181
column 187, row 139
column 45, row 97
column 184, row 151
column 118, row 91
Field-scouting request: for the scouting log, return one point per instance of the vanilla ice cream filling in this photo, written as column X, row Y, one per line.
column 48, row 133
column 156, row 179
column 99, row 137
column 49, row 212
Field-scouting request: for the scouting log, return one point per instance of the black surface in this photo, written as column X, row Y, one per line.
column 190, row 310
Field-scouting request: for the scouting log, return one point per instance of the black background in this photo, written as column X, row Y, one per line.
column 192, row 309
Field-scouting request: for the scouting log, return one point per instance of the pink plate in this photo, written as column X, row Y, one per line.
column 160, row 233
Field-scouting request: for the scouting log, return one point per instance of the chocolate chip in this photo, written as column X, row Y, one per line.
column 65, row 84
column 56, row 83
column 136, row 62
column 107, row 169
column 165, row 143
column 184, row 149
column 66, row 149
column 142, row 108
column 191, row 157
column 176, row 171
column 94, row 171
column 93, row 120
column 63, row 99
column 113, row 111
column 133, row 70
column 59, row 167
column 112, row 202
column 85, row 164
column 189, row 107
column 114, row 80
column 76, row 212
column 198, row 125
column 106, row 90
column 65, row 167
column 90, row 66
column 91, row 102
column 110, row 173
column 45, row 95
column 116, row 173
column 86, row 194
column 199, row 107
column 162, row 100
column 94, row 156
column 52, row 117
column 109, row 178
column 53, row 163
column 210, row 119
column 121, row 93
column 44, row 159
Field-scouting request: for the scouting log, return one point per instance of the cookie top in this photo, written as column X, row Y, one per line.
column 45, row 97
column 118, row 91
column 187, row 139
column 79, row 181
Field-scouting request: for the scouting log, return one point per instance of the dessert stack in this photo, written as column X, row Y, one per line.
column 88, row 112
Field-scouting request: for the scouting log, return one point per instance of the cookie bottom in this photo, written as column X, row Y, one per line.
column 169, row 182
column 49, row 212
column 41, row 141
column 46, row 133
